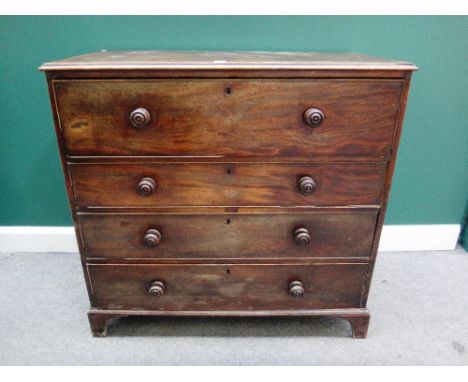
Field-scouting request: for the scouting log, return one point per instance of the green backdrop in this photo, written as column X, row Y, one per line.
column 431, row 179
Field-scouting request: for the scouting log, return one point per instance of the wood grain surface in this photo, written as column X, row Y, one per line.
column 228, row 236
column 227, row 287
column 171, row 60
column 225, row 184
column 229, row 118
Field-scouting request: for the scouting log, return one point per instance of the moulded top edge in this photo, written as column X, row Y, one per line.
column 198, row 60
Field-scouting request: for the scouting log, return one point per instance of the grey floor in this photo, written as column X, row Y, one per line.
column 418, row 302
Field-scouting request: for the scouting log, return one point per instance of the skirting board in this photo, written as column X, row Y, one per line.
column 394, row 238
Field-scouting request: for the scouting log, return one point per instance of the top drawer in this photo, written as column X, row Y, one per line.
column 228, row 117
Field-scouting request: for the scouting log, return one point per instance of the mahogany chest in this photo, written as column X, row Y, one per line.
column 228, row 183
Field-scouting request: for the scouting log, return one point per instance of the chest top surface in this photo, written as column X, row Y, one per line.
column 137, row 60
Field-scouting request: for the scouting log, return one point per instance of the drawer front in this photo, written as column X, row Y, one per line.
column 221, row 184
column 232, row 117
column 228, row 236
column 227, row 287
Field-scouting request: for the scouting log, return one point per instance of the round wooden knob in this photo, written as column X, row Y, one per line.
column 152, row 238
column 140, row 117
column 146, row 186
column 302, row 237
column 313, row 117
column 157, row 289
column 306, row 185
column 296, row 288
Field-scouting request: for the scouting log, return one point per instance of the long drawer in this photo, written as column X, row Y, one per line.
column 307, row 118
column 227, row 287
column 225, row 184
column 228, row 236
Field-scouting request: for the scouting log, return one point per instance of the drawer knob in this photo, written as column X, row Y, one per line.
column 302, row 237
column 313, row 117
column 140, row 118
column 296, row 288
column 152, row 238
column 157, row 289
column 306, row 185
column 146, row 186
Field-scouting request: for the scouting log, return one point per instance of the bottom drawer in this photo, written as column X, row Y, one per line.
column 227, row 287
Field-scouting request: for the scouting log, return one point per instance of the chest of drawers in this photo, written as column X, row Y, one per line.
column 228, row 183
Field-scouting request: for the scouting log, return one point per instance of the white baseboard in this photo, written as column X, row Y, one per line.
column 38, row 239
column 394, row 238
column 428, row 237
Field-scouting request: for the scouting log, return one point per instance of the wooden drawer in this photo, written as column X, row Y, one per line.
column 228, row 236
column 228, row 117
column 224, row 184
column 227, row 287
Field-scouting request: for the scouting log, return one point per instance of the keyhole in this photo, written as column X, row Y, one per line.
column 228, row 90
column 228, row 221
column 228, row 271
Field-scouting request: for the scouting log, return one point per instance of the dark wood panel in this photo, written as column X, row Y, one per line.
column 227, row 287
column 224, row 184
column 162, row 210
column 387, row 187
column 230, row 117
column 226, row 73
column 227, row 236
